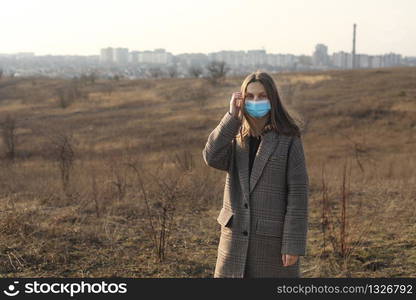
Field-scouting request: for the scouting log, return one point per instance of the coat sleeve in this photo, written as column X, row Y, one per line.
column 296, row 219
column 218, row 148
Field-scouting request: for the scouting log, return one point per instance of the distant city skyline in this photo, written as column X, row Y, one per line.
column 184, row 26
column 130, row 51
column 119, row 61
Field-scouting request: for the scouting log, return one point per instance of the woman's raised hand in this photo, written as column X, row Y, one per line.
column 235, row 105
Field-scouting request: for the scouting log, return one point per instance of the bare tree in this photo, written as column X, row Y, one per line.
column 9, row 136
column 217, row 71
column 83, row 79
column 92, row 77
column 87, row 79
column 160, row 212
column 173, row 71
column 340, row 227
column 108, row 88
column 95, row 192
column 195, row 71
column 63, row 152
column 70, row 92
column 65, row 98
column 184, row 160
column 119, row 180
column 155, row 72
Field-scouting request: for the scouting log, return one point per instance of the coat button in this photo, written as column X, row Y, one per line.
column 246, row 205
column 245, row 232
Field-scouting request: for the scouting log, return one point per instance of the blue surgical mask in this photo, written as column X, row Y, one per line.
column 257, row 109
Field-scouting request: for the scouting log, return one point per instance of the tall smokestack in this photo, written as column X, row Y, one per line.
column 354, row 64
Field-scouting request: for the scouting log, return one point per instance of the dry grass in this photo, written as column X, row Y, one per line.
column 364, row 119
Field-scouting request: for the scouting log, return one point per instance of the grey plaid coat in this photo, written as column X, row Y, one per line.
column 264, row 215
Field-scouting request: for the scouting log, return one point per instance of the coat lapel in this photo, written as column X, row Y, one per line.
column 242, row 162
column 267, row 146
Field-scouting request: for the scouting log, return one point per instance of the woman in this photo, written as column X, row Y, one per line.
column 264, row 216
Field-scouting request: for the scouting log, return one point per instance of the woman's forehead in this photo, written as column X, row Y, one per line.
column 255, row 88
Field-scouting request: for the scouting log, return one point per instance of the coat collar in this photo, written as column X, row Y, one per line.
column 267, row 145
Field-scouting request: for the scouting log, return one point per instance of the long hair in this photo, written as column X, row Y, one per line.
column 280, row 120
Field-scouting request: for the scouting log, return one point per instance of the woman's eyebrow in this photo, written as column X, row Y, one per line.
column 258, row 93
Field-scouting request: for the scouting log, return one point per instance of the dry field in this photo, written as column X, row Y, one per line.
column 106, row 178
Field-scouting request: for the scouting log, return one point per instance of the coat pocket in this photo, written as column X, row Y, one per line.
column 225, row 217
column 269, row 227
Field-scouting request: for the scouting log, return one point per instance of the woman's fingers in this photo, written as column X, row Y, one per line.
column 288, row 259
column 235, row 104
column 237, row 99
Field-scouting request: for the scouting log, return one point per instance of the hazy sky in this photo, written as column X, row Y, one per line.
column 291, row 26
